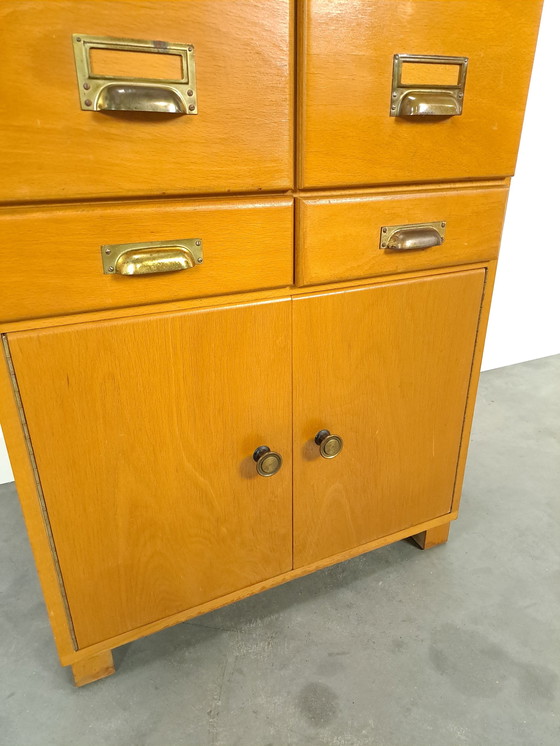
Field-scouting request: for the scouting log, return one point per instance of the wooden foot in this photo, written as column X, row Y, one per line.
column 91, row 669
column 433, row 537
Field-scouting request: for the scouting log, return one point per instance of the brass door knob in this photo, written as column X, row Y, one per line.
column 329, row 445
column 268, row 462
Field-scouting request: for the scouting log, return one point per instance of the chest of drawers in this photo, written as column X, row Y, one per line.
column 247, row 270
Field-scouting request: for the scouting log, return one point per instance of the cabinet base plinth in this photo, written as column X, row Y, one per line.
column 91, row 669
column 432, row 537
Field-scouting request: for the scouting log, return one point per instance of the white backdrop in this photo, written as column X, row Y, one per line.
column 525, row 317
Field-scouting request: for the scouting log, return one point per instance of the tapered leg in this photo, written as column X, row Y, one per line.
column 433, row 537
column 91, row 669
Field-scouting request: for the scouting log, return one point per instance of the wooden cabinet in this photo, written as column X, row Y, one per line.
column 221, row 372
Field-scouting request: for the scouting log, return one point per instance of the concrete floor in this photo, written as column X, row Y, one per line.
column 456, row 645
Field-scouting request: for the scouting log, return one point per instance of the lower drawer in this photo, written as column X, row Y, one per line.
column 341, row 238
column 52, row 257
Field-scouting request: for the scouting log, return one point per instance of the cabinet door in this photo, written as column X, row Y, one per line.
column 386, row 368
column 143, row 431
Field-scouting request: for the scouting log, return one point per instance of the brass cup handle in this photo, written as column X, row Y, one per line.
column 163, row 99
column 268, row 462
column 329, row 445
column 415, row 236
column 429, row 104
column 151, row 258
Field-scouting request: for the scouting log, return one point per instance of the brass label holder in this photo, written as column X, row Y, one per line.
column 117, row 93
column 414, row 100
column 412, row 237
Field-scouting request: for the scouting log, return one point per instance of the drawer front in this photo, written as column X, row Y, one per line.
column 349, row 132
column 341, row 238
column 52, row 258
column 238, row 139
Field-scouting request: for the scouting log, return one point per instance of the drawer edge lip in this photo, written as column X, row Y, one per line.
column 237, row 200
column 183, row 616
column 326, row 195
column 461, row 266
column 405, row 183
column 259, row 295
column 303, row 292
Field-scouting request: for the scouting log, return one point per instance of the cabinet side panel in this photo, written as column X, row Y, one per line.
column 29, row 497
column 473, row 385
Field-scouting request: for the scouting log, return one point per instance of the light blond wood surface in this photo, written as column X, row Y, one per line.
column 143, row 431
column 387, row 369
column 345, row 73
column 92, row 669
column 338, row 238
column 240, row 140
column 433, row 536
column 51, row 256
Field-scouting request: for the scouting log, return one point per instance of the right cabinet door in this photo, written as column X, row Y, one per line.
column 387, row 369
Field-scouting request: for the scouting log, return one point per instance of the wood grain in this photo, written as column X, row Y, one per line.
column 387, row 368
column 136, row 64
column 346, row 136
column 152, row 495
column 240, row 140
column 51, row 256
column 415, row 73
column 92, row 669
column 338, row 238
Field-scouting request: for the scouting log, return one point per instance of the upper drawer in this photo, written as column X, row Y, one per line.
column 350, row 134
column 238, row 137
column 343, row 238
column 53, row 259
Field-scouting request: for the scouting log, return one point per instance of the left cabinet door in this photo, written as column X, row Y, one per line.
column 143, row 432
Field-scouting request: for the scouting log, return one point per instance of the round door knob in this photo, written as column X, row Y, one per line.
column 268, row 462
column 329, row 445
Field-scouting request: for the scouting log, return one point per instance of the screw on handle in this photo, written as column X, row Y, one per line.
column 329, row 445
column 268, row 462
